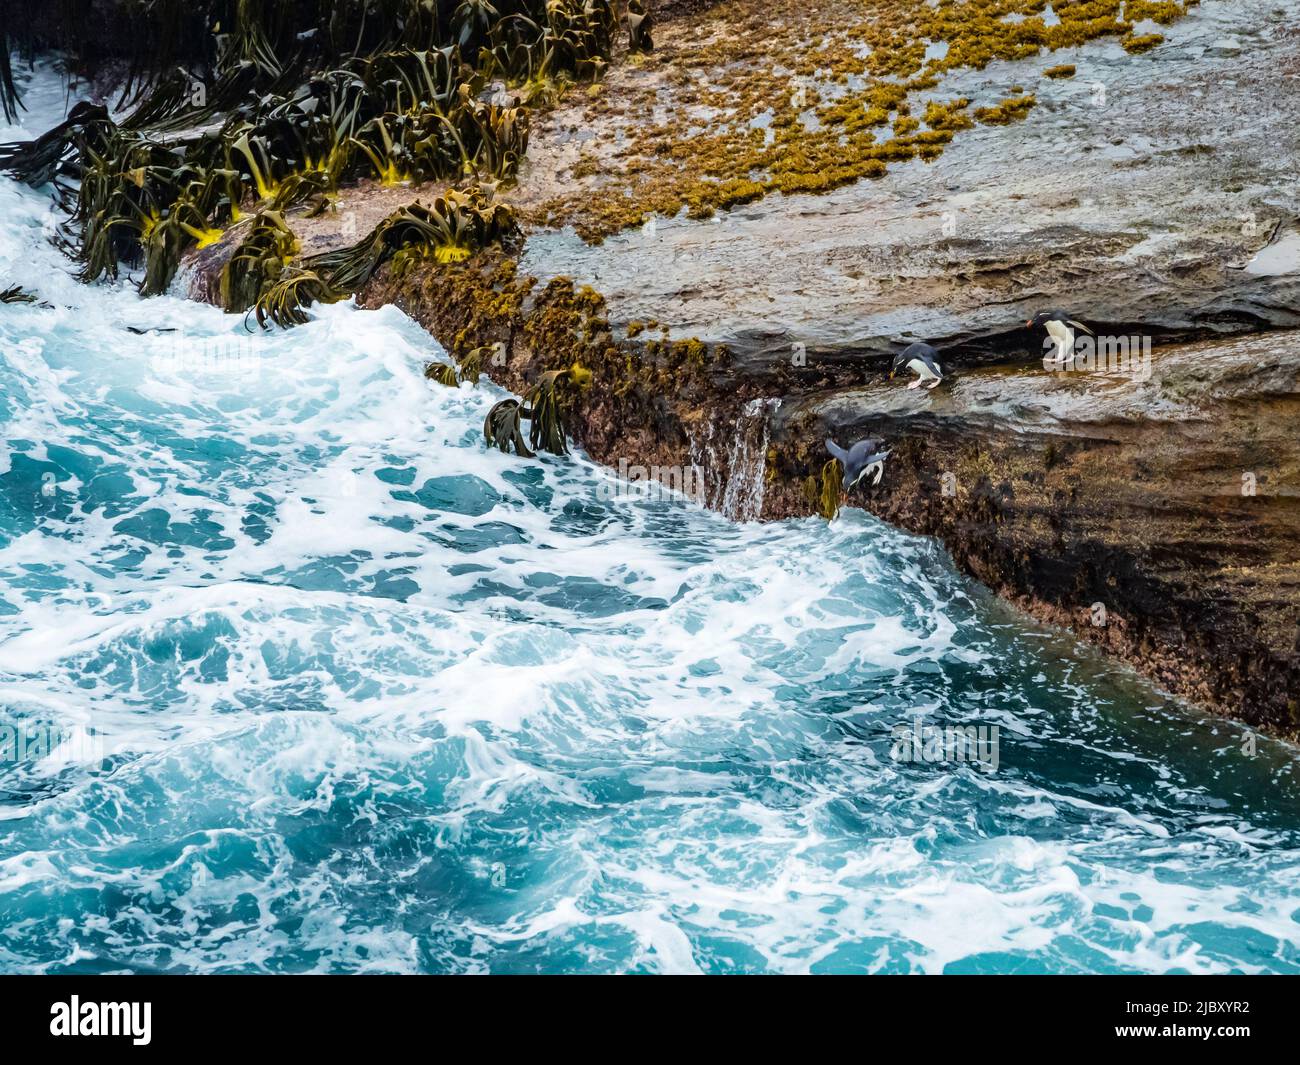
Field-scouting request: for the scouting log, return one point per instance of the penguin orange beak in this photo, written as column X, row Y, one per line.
column 1030, row 322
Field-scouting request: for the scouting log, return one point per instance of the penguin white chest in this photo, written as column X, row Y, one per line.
column 1064, row 337
column 922, row 370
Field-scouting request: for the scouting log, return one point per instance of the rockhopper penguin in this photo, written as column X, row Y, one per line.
column 1060, row 327
column 860, row 459
column 923, row 361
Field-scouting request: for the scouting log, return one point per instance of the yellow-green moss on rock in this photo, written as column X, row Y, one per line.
column 758, row 96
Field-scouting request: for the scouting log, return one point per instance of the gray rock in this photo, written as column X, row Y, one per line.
column 1129, row 212
column 1225, row 48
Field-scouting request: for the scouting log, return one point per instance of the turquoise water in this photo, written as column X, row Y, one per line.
column 343, row 691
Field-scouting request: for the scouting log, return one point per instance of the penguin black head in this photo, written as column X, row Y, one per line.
column 1043, row 317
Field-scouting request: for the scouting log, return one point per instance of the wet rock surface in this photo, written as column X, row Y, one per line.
column 1153, row 507
column 1152, row 196
column 1135, row 192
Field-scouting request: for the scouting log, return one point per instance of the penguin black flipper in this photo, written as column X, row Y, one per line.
column 836, row 451
column 1079, row 325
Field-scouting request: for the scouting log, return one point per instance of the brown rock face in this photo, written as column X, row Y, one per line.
column 1155, row 515
column 1153, row 197
column 1149, row 500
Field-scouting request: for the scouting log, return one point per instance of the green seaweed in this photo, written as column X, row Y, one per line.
column 502, row 428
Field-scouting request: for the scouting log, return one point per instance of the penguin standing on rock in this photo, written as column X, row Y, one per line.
column 923, row 361
column 1060, row 327
column 860, row 459
column 639, row 25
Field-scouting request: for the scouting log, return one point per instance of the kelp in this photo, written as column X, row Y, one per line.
column 467, row 368
column 502, row 428
column 442, row 372
column 470, row 364
column 282, row 301
column 240, row 107
column 823, row 490
column 51, row 155
column 280, row 41
column 548, row 403
column 10, row 103
column 265, row 250
column 546, row 417
column 545, row 406
column 454, row 226
column 639, row 25
column 540, row 43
